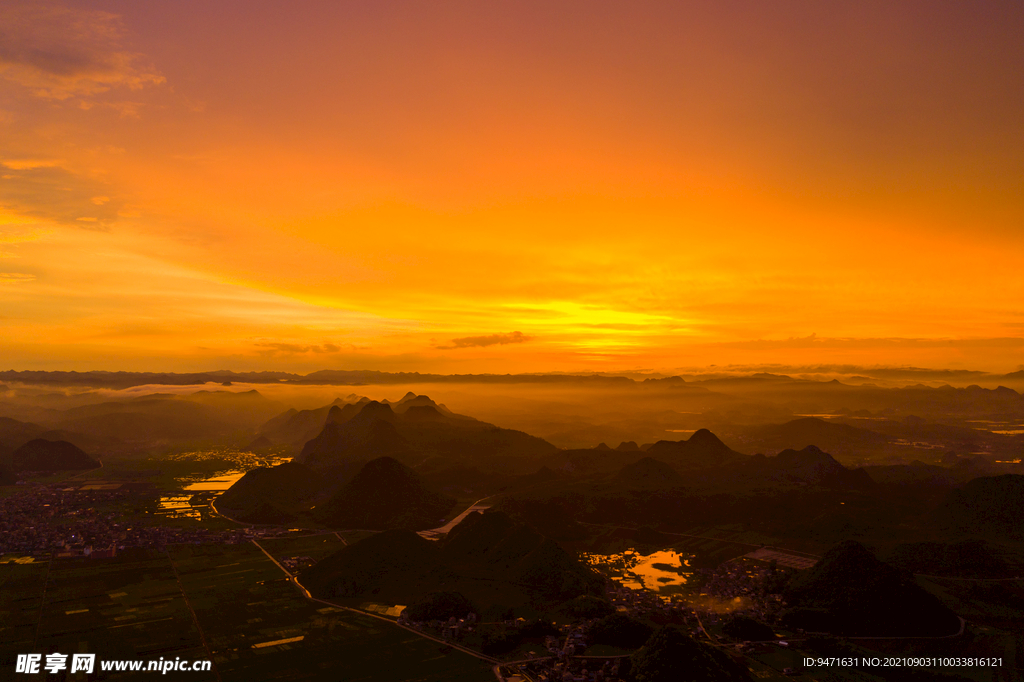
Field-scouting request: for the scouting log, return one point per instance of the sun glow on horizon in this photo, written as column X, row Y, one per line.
column 497, row 188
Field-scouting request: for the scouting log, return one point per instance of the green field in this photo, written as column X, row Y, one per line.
column 138, row 607
column 313, row 546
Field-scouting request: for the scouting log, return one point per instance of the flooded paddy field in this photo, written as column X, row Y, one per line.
column 197, row 477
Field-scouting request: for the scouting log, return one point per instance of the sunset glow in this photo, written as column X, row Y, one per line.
column 510, row 187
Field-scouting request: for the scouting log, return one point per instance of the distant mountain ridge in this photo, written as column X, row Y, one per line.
column 834, row 437
column 365, row 377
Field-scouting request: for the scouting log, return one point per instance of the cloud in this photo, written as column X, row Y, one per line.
column 15, row 277
column 42, row 189
column 492, row 340
column 29, row 164
column 63, row 52
column 295, row 348
column 815, row 341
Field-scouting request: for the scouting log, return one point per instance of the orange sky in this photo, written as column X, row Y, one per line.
column 510, row 186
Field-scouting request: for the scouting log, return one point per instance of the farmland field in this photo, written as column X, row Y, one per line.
column 141, row 605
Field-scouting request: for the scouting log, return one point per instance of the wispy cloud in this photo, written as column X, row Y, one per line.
column 492, row 340
column 15, row 277
column 63, row 52
column 296, row 348
column 43, row 189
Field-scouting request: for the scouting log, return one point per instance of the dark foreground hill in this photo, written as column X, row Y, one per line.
column 670, row 655
column 488, row 558
column 850, row 592
column 385, row 494
column 273, row 495
column 51, row 455
column 991, row 506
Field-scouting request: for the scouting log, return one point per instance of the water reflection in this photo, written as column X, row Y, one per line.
column 205, row 483
column 664, row 571
column 217, row 483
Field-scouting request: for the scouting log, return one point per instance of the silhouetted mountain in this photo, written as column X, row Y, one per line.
column 440, row 606
column 546, row 514
column 14, row 433
column 989, row 506
column 814, row 466
column 516, row 552
column 915, row 473
column 272, row 492
column 850, row 592
column 452, row 448
column 169, row 418
column 129, row 379
column 7, row 477
column 703, row 449
column 462, row 478
column 259, row 443
column 834, row 437
column 385, row 563
column 51, row 455
column 671, row 655
column 649, row 473
column 488, row 555
column 369, row 433
column 628, row 446
column 421, row 403
column 385, row 494
column 297, row 427
column 585, row 461
column 419, row 428
column 266, row 513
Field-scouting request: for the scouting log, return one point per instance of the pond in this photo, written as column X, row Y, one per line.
column 665, row 571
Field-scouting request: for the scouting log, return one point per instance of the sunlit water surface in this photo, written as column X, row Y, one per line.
column 665, row 571
column 198, row 490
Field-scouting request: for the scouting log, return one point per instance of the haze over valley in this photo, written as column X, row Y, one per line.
column 728, row 510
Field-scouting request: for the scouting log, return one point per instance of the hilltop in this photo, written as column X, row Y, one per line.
column 489, row 558
column 385, row 494
column 270, row 495
column 851, row 592
column 416, row 426
column 51, row 455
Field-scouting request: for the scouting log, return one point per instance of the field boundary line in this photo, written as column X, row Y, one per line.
column 308, row 595
column 195, row 619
